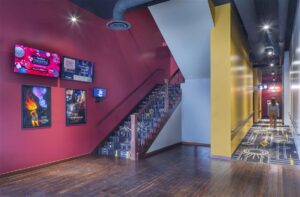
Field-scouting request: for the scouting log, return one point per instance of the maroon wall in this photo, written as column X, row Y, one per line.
column 268, row 94
column 123, row 60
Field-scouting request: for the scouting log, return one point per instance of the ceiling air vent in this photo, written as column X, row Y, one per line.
column 118, row 25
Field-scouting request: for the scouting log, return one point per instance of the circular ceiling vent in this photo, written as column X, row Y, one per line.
column 118, row 25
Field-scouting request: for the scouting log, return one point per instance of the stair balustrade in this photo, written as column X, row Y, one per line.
column 136, row 134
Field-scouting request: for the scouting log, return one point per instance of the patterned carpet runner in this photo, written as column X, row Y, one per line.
column 263, row 144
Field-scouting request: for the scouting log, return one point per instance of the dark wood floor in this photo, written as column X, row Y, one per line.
column 182, row 171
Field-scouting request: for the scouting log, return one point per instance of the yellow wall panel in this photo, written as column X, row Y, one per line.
column 220, row 87
column 257, row 95
column 241, row 84
column 231, row 83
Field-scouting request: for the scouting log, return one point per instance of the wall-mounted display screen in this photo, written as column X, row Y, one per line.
column 36, row 62
column 75, row 106
column 99, row 92
column 36, row 108
column 78, row 70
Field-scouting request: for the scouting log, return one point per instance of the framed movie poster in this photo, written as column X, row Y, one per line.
column 75, row 106
column 36, row 106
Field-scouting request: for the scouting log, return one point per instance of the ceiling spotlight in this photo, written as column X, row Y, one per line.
column 73, row 19
column 273, row 73
column 266, row 27
column 274, row 79
column 272, row 64
column 269, row 50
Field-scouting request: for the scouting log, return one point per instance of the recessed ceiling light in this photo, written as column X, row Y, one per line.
column 272, row 64
column 73, row 19
column 273, row 73
column 266, row 27
column 269, row 50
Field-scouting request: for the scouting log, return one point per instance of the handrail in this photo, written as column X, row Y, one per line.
column 178, row 71
column 143, row 149
column 129, row 95
column 149, row 102
column 175, row 73
column 134, row 117
column 235, row 130
column 158, row 92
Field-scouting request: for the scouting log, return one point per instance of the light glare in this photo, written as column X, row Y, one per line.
column 295, row 86
column 266, row 27
column 296, row 62
column 73, row 19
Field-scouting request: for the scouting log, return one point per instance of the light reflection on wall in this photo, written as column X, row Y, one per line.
column 274, row 88
column 295, row 71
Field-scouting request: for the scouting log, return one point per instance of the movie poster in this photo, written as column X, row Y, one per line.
column 75, row 106
column 36, row 106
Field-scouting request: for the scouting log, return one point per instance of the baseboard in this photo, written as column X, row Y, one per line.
column 195, row 144
column 173, row 146
column 162, row 149
column 28, row 169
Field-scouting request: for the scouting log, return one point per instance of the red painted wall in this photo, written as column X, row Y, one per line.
column 173, row 66
column 268, row 94
column 123, row 60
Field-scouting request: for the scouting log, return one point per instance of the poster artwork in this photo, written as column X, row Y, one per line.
column 36, row 106
column 75, row 106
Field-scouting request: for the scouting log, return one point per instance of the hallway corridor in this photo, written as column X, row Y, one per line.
column 263, row 144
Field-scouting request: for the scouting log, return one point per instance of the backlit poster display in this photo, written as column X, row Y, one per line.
column 36, row 106
column 77, row 70
column 36, row 62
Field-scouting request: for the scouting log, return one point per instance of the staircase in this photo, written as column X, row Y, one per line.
column 144, row 123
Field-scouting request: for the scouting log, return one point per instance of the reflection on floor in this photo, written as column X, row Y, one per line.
column 185, row 171
column 263, row 144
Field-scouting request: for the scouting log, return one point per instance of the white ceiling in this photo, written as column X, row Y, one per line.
column 185, row 26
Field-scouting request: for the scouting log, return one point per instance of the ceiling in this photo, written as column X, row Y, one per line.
column 253, row 14
column 184, row 26
column 104, row 8
column 279, row 14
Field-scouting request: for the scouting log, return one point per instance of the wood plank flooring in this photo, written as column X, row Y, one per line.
column 182, row 171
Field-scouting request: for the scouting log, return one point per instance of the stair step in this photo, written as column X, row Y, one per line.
column 118, row 143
